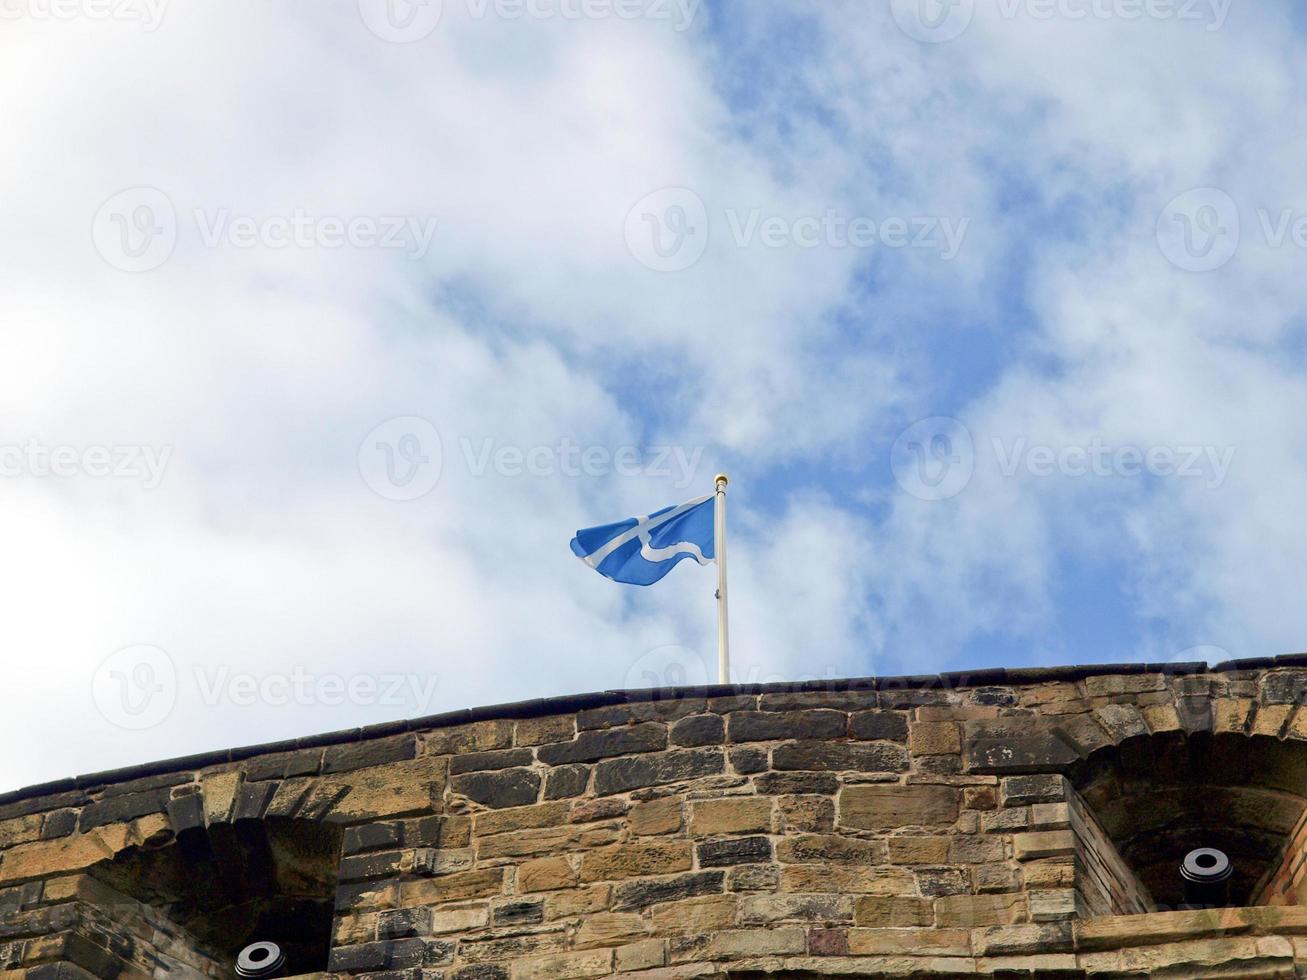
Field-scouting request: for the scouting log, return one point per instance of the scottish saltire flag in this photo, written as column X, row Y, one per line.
column 641, row 550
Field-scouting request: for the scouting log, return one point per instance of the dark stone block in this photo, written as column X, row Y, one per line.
column 1284, row 687
column 770, row 726
column 404, row 923
column 742, row 850
column 524, row 913
column 481, row 972
column 595, row 745
column 489, row 761
column 283, row 765
column 566, row 781
column 253, row 800
column 1019, row 755
column 119, row 808
column 841, row 757
column 748, row 761
column 869, row 726
column 622, row 775
column 508, row 787
column 636, row 895
column 59, row 823
column 699, row 730
column 993, row 696
column 186, row 812
column 373, row 837
column 364, row 867
column 796, row 784
column 386, row 955
column 361, row 755
column 1045, row 788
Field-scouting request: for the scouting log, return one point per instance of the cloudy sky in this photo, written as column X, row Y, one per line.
column 323, row 325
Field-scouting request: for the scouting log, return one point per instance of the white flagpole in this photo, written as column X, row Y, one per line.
column 719, row 545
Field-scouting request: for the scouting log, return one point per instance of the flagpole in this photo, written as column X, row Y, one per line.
column 719, row 546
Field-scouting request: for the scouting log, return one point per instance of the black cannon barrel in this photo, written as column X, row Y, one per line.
column 1206, row 873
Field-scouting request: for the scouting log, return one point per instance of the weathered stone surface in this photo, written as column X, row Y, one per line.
column 879, row 725
column 1020, row 790
column 773, row 726
column 935, row 738
column 635, row 861
column 699, row 730
column 813, row 849
column 891, row 806
column 509, row 787
column 1020, row 755
column 731, row 815
column 787, row 783
column 624, row 775
column 591, row 746
column 636, row 895
column 840, row 757
column 566, row 781
column 742, row 850
column 653, row 817
column 488, row 761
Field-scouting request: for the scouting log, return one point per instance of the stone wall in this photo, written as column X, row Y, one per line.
column 940, row 826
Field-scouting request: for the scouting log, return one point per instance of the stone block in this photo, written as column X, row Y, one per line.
column 731, row 815
column 890, row 807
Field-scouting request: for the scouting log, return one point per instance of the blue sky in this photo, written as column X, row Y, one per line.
column 993, row 311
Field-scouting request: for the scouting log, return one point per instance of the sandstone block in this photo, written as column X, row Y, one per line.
column 731, row 815
column 890, row 807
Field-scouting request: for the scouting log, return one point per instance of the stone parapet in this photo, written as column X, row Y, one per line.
column 1009, row 822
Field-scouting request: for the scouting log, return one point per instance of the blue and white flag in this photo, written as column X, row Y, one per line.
column 641, row 550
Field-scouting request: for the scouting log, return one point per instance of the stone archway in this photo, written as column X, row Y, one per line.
column 1157, row 797
column 225, row 885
